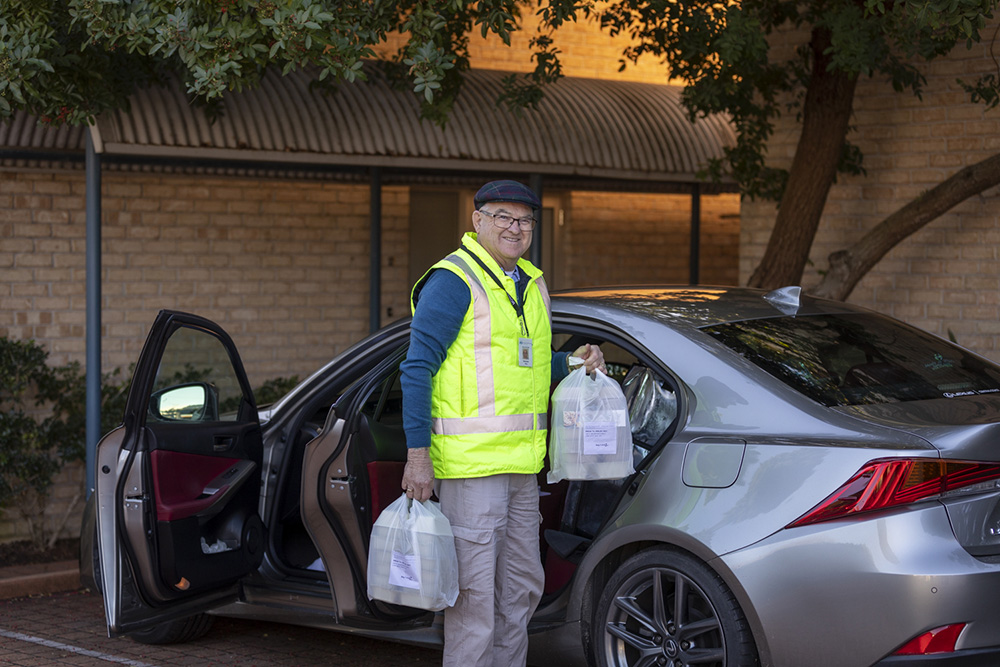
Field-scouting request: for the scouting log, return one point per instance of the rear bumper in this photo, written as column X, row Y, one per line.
column 850, row 593
column 984, row 657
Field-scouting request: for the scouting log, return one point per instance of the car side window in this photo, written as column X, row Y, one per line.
column 385, row 404
column 383, row 412
column 195, row 381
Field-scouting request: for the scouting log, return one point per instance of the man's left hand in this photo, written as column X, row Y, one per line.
column 593, row 358
column 418, row 474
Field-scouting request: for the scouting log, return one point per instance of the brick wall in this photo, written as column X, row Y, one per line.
column 614, row 238
column 945, row 278
column 282, row 265
column 63, row 512
column 585, row 51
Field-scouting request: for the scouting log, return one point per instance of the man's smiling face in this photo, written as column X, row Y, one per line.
column 503, row 245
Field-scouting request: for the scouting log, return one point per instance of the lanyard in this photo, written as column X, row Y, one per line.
column 516, row 304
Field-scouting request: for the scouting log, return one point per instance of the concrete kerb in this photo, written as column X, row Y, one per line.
column 42, row 579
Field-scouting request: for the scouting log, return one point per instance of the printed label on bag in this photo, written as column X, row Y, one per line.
column 599, row 438
column 404, row 571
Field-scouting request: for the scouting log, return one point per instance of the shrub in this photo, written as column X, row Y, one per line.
column 43, row 424
column 42, row 427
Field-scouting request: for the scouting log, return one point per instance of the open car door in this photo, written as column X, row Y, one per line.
column 351, row 471
column 178, row 484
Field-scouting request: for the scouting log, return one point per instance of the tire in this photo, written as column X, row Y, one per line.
column 640, row 621
column 178, row 631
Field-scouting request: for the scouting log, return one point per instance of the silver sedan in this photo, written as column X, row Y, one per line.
column 814, row 485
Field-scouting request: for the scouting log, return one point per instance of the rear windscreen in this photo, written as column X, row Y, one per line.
column 858, row 359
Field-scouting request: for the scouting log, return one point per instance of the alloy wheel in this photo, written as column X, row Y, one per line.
column 660, row 609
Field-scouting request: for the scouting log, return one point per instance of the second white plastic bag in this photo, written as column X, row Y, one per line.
column 590, row 436
column 411, row 556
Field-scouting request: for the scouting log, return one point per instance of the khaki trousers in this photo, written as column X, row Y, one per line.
column 500, row 579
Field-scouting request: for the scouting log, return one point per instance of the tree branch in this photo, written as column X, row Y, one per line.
column 849, row 266
column 826, row 114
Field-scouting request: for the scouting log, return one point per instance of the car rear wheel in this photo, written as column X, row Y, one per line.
column 177, row 631
column 664, row 607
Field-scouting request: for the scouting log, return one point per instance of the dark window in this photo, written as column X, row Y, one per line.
column 858, row 359
column 385, row 403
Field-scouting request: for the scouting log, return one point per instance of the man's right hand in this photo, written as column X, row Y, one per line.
column 418, row 475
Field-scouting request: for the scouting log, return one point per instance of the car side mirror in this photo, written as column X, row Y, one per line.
column 192, row 402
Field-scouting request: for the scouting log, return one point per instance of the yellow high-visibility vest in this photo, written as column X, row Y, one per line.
column 488, row 411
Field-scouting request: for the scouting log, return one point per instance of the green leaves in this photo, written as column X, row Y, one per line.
column 36, row 420
column 21, row 57
column 723, row 55
column 67, row 60
column 48, row 65
column 522, row 92
column 985, row 89
column 216, row 46
column 428, row 65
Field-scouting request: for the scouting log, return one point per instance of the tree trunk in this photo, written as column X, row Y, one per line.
column 848, row 267
column 826, row 116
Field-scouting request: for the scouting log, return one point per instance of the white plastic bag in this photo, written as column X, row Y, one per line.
column 590, row 436
column 411, row 556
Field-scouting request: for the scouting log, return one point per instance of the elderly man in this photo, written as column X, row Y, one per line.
column 475, row 397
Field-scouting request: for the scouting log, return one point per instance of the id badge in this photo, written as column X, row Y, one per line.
column 524, row 352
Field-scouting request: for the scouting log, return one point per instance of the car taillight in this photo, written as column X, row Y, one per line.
column 938, row 640
column 888, row 483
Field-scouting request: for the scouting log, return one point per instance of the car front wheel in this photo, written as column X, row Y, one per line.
column 664, row 607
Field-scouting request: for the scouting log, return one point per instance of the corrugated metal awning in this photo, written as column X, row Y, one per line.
column 583, row 128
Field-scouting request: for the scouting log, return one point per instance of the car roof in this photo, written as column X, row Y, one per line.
column 696, row 306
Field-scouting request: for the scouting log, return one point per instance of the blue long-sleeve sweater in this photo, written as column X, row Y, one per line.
column 444, row 298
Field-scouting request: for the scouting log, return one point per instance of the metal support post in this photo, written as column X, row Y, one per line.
column 93, row 297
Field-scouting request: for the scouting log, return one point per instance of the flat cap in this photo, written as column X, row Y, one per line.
column 511, row 191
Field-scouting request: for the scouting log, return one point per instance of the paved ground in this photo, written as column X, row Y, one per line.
column 68, row 629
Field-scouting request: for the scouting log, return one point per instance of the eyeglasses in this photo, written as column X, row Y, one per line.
column 504, row 221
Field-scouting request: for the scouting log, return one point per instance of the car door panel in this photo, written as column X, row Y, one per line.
column 178, row 487
column 324, row 526
column 192, row 485
column 339, row 492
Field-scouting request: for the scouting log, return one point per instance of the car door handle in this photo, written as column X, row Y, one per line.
column 223, row 443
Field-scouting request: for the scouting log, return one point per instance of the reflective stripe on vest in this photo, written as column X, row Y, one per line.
column 473, row 425
column 481, row 327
